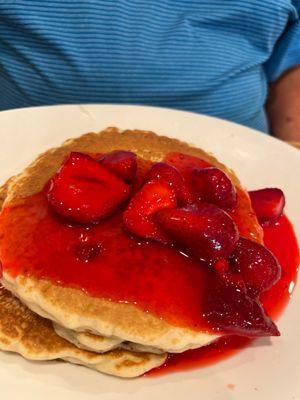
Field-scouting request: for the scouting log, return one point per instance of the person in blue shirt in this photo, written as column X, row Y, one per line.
column 222, row 58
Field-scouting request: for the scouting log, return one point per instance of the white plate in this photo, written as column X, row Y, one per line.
column 263, row 371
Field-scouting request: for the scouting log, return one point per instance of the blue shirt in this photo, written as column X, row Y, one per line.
column 213, row 57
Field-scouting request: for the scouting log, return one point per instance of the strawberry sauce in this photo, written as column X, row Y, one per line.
column 36, row 242
column 280, row 239
column 106, row 261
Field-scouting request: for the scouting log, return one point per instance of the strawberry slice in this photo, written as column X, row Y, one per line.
column 213, row 186
column 120, row 162
column 230, row 310
column 84, row 191
column 185, row 164
column 138, row 218
column 204, row 230
column 268, row 204
column 256, row 264
column 172, row 176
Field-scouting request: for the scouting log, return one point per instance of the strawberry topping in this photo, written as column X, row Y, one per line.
column 120, row 162
column 181, row 202
column 84, row 191
column 268, row 204
column 256, row 264
column 203, row 230
column 185, row 164
column 232, row 311
column 171, row 176
column 138, row 218
column 214, row 186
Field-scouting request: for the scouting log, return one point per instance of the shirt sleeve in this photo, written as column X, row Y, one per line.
column 286, row 53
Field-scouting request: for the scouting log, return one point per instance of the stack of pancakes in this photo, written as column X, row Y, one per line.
column 44, row 321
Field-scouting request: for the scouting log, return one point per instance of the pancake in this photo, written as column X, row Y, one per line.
column 100, row 344
column 77, row 311
column 33, row 337
column 26, row 333
column 87, row 341
column 74, row 309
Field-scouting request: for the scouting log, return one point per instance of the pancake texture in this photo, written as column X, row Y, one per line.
column 26, row 333
column 73, row 309
column 87, row 340
column 100, row 344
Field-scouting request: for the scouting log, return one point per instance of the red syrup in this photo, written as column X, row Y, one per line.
column 280, row 239
column 105, row 261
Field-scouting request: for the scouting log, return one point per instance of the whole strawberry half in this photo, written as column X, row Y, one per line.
column 268, row 204
column 213, row 186
column 138, row 217
column 203, row 230
column 122, row 163
column 172, row 176
column 84, row 191
column 256, row 264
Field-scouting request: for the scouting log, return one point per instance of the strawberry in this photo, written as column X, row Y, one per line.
column 120, row 162
column 138, row 218
column 221, row 266
column 172, row 176
column 235, row 279
column 203, row 230
column 268, row 204
column 185, row 164
column 230, row 310
column 256, row 264
column 213, row 186
column 84, row 191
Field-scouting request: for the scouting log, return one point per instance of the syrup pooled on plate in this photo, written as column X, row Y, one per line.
column 119, row 250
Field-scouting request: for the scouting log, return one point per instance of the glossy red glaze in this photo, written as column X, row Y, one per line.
column 280, row 239
column 37, row 242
